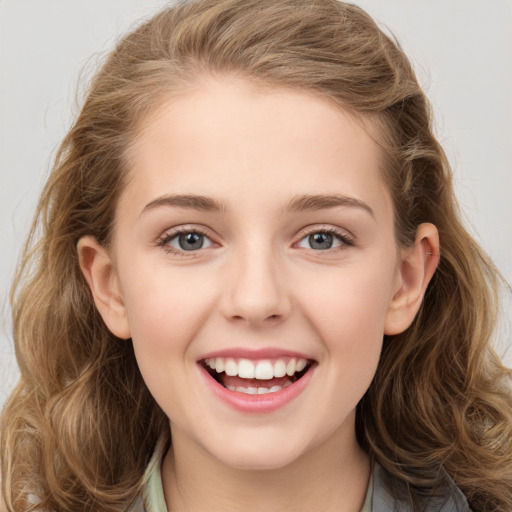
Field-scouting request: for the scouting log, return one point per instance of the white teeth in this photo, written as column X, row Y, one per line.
column 231, row 368
column 291, row 367
column 301, row 364
column 248, row 391
column 279, row 369
column 262, row 370
column 246, row 369
column 258, row 391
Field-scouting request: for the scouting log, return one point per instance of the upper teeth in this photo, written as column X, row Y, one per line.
column 263, row 370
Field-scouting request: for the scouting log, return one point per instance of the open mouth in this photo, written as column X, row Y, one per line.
column 256, row 377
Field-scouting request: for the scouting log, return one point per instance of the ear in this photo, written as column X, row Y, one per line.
column 418, row 264
column 99, row 272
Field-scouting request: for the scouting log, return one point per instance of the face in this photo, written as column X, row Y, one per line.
column 256, row 267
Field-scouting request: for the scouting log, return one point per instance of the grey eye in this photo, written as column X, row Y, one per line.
column 191, row 241
column 320, row 241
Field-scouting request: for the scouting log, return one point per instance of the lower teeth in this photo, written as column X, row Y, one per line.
column 257, row 391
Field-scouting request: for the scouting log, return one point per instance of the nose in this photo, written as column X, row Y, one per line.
column 256, row 291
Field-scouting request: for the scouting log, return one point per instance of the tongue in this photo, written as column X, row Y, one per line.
column 236, row 381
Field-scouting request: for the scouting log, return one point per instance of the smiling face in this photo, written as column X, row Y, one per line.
column 255, row 267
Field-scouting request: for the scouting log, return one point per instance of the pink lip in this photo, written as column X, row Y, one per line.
column 257, row 404
column 243, row 353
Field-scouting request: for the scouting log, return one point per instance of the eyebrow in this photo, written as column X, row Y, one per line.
column 304, row 202
column 192, row 202
column 323, row 202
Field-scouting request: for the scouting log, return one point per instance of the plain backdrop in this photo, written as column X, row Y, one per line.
column 461, row 49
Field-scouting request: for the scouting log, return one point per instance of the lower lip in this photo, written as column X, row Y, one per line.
column 257, row 404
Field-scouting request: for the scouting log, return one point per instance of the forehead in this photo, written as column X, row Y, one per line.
column 231, row 137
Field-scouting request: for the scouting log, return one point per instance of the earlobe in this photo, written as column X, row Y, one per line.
column 99, row 272
column 418, row 264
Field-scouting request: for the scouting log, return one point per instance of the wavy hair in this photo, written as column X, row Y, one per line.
column 78, row 429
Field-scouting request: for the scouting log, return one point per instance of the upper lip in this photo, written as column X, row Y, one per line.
column 254, row 354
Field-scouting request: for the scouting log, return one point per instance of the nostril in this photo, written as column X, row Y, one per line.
column 251, row 318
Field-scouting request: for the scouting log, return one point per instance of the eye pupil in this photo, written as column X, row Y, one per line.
column 321, row 241
column 191, row 241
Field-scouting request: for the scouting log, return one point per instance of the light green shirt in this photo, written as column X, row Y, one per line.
column 153, row 492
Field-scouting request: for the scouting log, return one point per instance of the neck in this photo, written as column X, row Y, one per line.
column 331, row 477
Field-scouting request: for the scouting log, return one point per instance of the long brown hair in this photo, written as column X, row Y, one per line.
column 78, row 429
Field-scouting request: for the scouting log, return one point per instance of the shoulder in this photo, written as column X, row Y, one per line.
column 453, row 501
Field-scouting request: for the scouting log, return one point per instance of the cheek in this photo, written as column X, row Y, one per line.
column 165, row 309
column 347, row 308
column 346, row 301
column 165, row 313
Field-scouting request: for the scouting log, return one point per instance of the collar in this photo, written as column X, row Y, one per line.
column 378, row 498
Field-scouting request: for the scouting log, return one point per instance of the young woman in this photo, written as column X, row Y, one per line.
column 247, row 286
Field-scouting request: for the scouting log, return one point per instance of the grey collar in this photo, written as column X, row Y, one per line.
column 383, row 501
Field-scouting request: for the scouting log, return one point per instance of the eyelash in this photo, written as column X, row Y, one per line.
column 345, row 239
column 166, row 238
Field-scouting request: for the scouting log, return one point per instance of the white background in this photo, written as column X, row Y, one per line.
column 461, row 49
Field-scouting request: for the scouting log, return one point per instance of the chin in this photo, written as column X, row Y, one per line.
column 254, row 457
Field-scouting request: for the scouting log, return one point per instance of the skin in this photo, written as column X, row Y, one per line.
column 258, row 283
